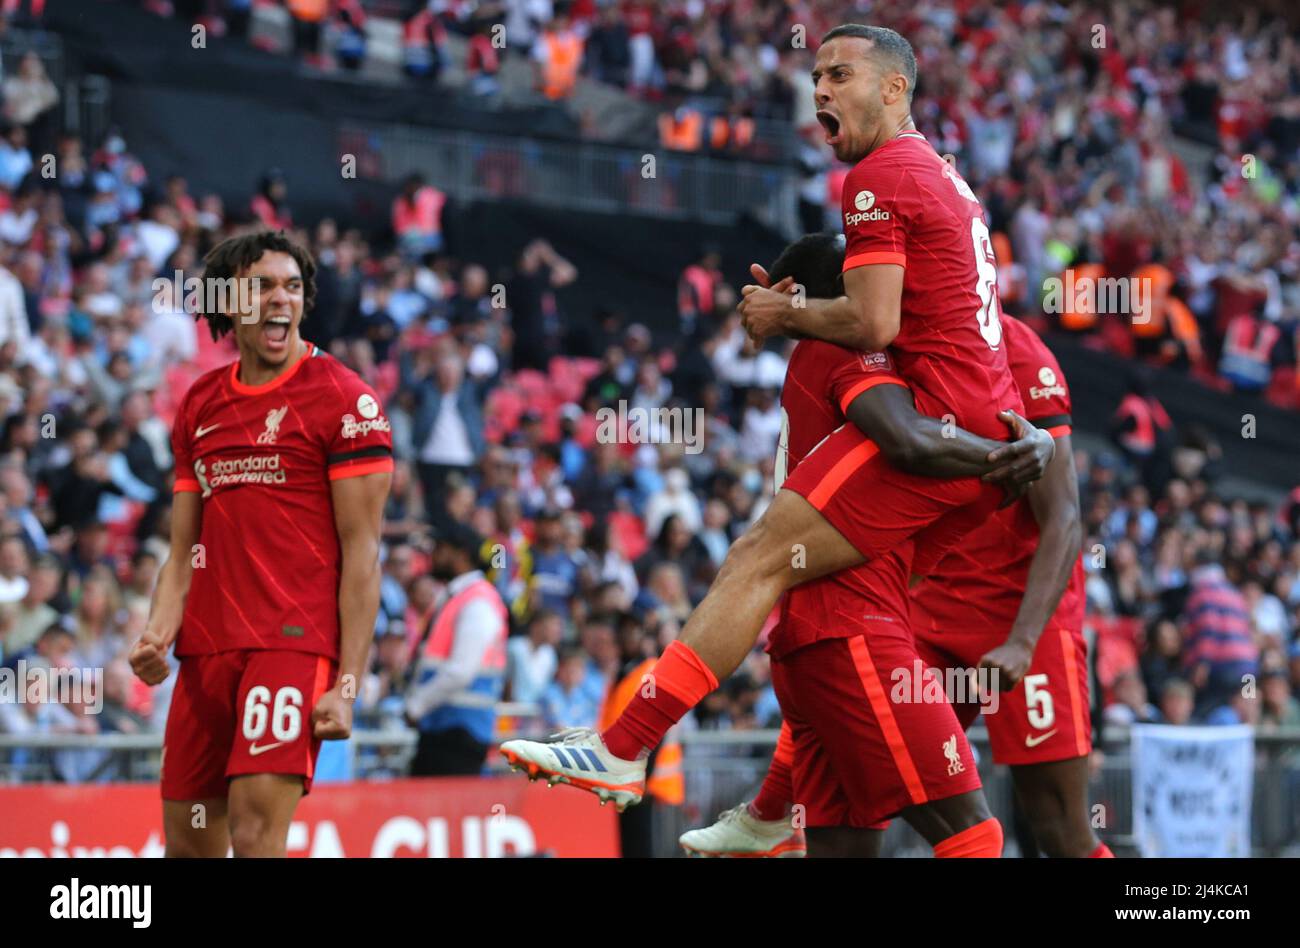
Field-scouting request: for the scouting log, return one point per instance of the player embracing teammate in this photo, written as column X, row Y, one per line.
column 1008, row 597
column 919, row 279
column 269, row 595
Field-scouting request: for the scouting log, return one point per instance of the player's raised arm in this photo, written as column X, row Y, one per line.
column 1055, row 503
column 919, row 444
column 866, row 317
column 148, row 656
column 358, row 516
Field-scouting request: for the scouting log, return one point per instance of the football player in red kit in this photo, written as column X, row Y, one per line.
column 1009, row 597
column 283, row 462
column 919, row 278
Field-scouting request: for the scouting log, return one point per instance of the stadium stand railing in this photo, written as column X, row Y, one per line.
column 583, row 176
column 723, row 768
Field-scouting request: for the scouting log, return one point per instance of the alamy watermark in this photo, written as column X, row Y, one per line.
column 636, row 425
column 1070, row 294
column 202, row 296
column 39, row 683
column 921, row 684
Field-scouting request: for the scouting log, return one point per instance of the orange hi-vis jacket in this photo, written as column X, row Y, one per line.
column 1076, row 317
column 309, row 11
column 681, row 131
column 666, row 783
column 563, row 59
column 1156, row 282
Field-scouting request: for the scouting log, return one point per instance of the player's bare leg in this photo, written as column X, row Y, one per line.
column 196, row 829
column 1054, row 798
column 790, row 544
column 261, row 808
column 953, row 820
column 940, row 819
column 843, row 842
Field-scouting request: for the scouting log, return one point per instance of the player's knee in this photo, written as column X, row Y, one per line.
column 253, row 833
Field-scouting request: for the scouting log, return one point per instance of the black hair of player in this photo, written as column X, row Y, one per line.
column 889, row 45
column 816, row 262
column 231, row 257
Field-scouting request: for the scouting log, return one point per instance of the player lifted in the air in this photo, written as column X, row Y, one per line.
column 1008, row 597
column 920, row 279
column 283, row 462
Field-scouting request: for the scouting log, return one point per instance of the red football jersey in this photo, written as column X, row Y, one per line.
column 904, row 204
column 262, row 457
column 983, row 579
column 820, row 382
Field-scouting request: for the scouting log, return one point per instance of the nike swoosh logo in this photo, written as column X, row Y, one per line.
column 1034, row 741
column 200, row 431
column 254, row 750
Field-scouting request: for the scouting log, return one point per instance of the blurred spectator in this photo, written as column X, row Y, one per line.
column 555, row 570
column 566, row 702
column 460, row 672
column 1131, row 705
column 308, row 19
column 423, row 41
column 483, row 59
column 1177, row 701
column 531, row 659
column 558, row 57
column 417, row 217
column 447, row 428
column 269, row 205
column 1279, row 709
column 1219, row 649
column 696, row 288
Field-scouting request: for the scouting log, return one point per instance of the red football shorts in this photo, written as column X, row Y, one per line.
column 861, row 752
column 877, row 507
column 1045, row 717
column 242, row 712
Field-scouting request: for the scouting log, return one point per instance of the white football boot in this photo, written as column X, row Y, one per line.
column 739, row 834
column 577, row 756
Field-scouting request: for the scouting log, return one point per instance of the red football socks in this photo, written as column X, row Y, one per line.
column 1101, row 852
column 679, row 681
column 777, row 792
column 981, row 841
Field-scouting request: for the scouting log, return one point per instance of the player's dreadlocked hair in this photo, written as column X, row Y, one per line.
column 228, row 259
column 889, row 45
column 816, row 262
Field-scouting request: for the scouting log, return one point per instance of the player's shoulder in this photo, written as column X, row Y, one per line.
column 1033, row 366
column 335, row 392
column 322, row 368
column 1024, row 346
column 206, row 385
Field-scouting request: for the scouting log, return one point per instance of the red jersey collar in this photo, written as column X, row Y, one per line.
column 276, row 382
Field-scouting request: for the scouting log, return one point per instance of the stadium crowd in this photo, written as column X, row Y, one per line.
column 601, row 547
column 1061, row 115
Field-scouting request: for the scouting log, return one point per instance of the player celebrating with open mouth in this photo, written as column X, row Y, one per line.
column 919, row 278
column 1009, row 597
column 283, row 462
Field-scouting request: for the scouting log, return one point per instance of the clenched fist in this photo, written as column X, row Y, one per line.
column 148, row 659
column 331, row 719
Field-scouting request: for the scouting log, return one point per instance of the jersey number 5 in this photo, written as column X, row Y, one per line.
column 1041, row 712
